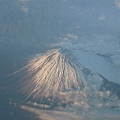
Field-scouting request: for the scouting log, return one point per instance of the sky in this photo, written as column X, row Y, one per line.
column 29, row 27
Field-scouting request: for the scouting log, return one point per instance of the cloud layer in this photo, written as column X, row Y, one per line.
column 57, row 115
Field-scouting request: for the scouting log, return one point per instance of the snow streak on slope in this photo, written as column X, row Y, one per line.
column 52, row 73
column 57, row 79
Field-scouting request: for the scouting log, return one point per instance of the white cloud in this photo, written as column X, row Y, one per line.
column 34, row 104
column 102, row 17
column 77, row 27
column 23, row 5
column 117, row 2
column 69, row 37
column 52, row 115
column 25, row 9
column 65, row 38
column 63, row 115
column 23, row 1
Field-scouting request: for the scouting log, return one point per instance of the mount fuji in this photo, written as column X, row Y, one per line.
column 58, row 80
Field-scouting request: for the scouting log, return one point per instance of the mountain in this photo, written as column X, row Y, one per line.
column 58, row 79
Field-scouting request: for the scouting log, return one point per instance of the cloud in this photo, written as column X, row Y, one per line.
column 63, row 115
column 52, row 115
column 23, row 1
column 23, row 5
column 117, row 2
column 77, row 27
column 42, row 106
column 25, row 9
column 102, row 17
column 69, row 37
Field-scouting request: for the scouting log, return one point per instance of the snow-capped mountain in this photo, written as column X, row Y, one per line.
column 58, row 79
